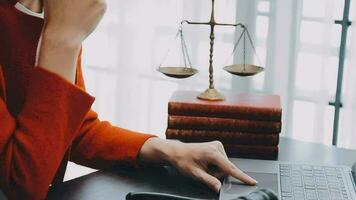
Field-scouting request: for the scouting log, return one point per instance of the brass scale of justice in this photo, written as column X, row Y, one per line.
column 242, row 70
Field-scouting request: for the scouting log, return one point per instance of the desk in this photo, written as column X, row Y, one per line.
column 117, row 183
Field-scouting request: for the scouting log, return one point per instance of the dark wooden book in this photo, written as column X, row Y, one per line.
column 248, row 151
column 223, row 124
column 236, row 106
column 226, row 137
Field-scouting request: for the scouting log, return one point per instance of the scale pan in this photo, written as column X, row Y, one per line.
column 243, row 70
column 178, row 72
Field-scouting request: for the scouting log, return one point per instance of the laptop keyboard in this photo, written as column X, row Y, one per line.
column 299, row 182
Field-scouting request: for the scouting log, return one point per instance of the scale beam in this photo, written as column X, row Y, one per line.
column 214, row 23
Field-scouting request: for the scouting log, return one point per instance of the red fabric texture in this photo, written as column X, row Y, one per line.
column 41, row 115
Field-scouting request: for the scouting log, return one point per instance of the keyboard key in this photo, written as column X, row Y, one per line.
column 330, row 169
column 335, row 195
column 285, row 174
column 307, row 167
column 333, row 185
column 308, row 174
column 297, row 198
column 286, row 184
column 296, row 167
column 319, row 174
column 311, row 194
column 323, row 194
column 309, row 182
column 287, row 194
column 298, row 183
column 322, row 186
column 287, row 198
column 284, row 165
column 321, row 182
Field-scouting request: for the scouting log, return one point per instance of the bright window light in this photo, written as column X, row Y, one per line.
column 263, row 6
column 314, row 8
column 309, row 69
column 262, row 24
column 312, row 32
column 331, row 70
column 303, row 120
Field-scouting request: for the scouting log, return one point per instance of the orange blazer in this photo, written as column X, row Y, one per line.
column 42, row 115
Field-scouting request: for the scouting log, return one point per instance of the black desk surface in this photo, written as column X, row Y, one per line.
column 117, row 183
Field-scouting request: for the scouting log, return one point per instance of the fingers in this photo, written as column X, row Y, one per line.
column 219, row 175
column 229, row 168
column 203, row 177
column 221, row 148
column 224, row 164
column 237, row 173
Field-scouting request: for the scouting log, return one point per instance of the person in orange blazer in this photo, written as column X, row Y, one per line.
column 45, row 113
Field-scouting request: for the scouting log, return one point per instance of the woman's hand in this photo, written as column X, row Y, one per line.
column 72, row 21
column 67, row 24
column 204, row 162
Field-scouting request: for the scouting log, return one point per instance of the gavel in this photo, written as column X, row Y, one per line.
column 259, row 194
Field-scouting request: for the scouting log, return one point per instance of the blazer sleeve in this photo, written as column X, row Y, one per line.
column 100, row 145
column 33, row 144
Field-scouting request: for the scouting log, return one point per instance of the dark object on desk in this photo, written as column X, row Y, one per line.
column 260, row 194
column 354, row 173
column 156, row 196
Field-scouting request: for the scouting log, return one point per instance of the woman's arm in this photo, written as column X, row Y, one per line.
column 59, row 57
column 66, row 25
column 33, row 143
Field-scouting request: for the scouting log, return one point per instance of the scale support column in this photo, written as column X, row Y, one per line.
column 211, row 93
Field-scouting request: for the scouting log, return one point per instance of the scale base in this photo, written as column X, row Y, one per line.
column 211, row 94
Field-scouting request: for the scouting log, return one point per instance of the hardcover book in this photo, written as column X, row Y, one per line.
column 236, row 106
column 223, row 124
column 226, row 137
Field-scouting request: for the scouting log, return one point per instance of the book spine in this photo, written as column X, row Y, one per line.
column 222, row 124
column 256, row 152
column 226, row 137
column 233, row 112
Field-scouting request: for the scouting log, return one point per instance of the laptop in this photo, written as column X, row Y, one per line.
column 295, row 181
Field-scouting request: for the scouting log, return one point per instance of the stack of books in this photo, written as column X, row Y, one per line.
column 248, row 125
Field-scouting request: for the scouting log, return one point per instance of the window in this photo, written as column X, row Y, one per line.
column 298, row 43
column 316, row 68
